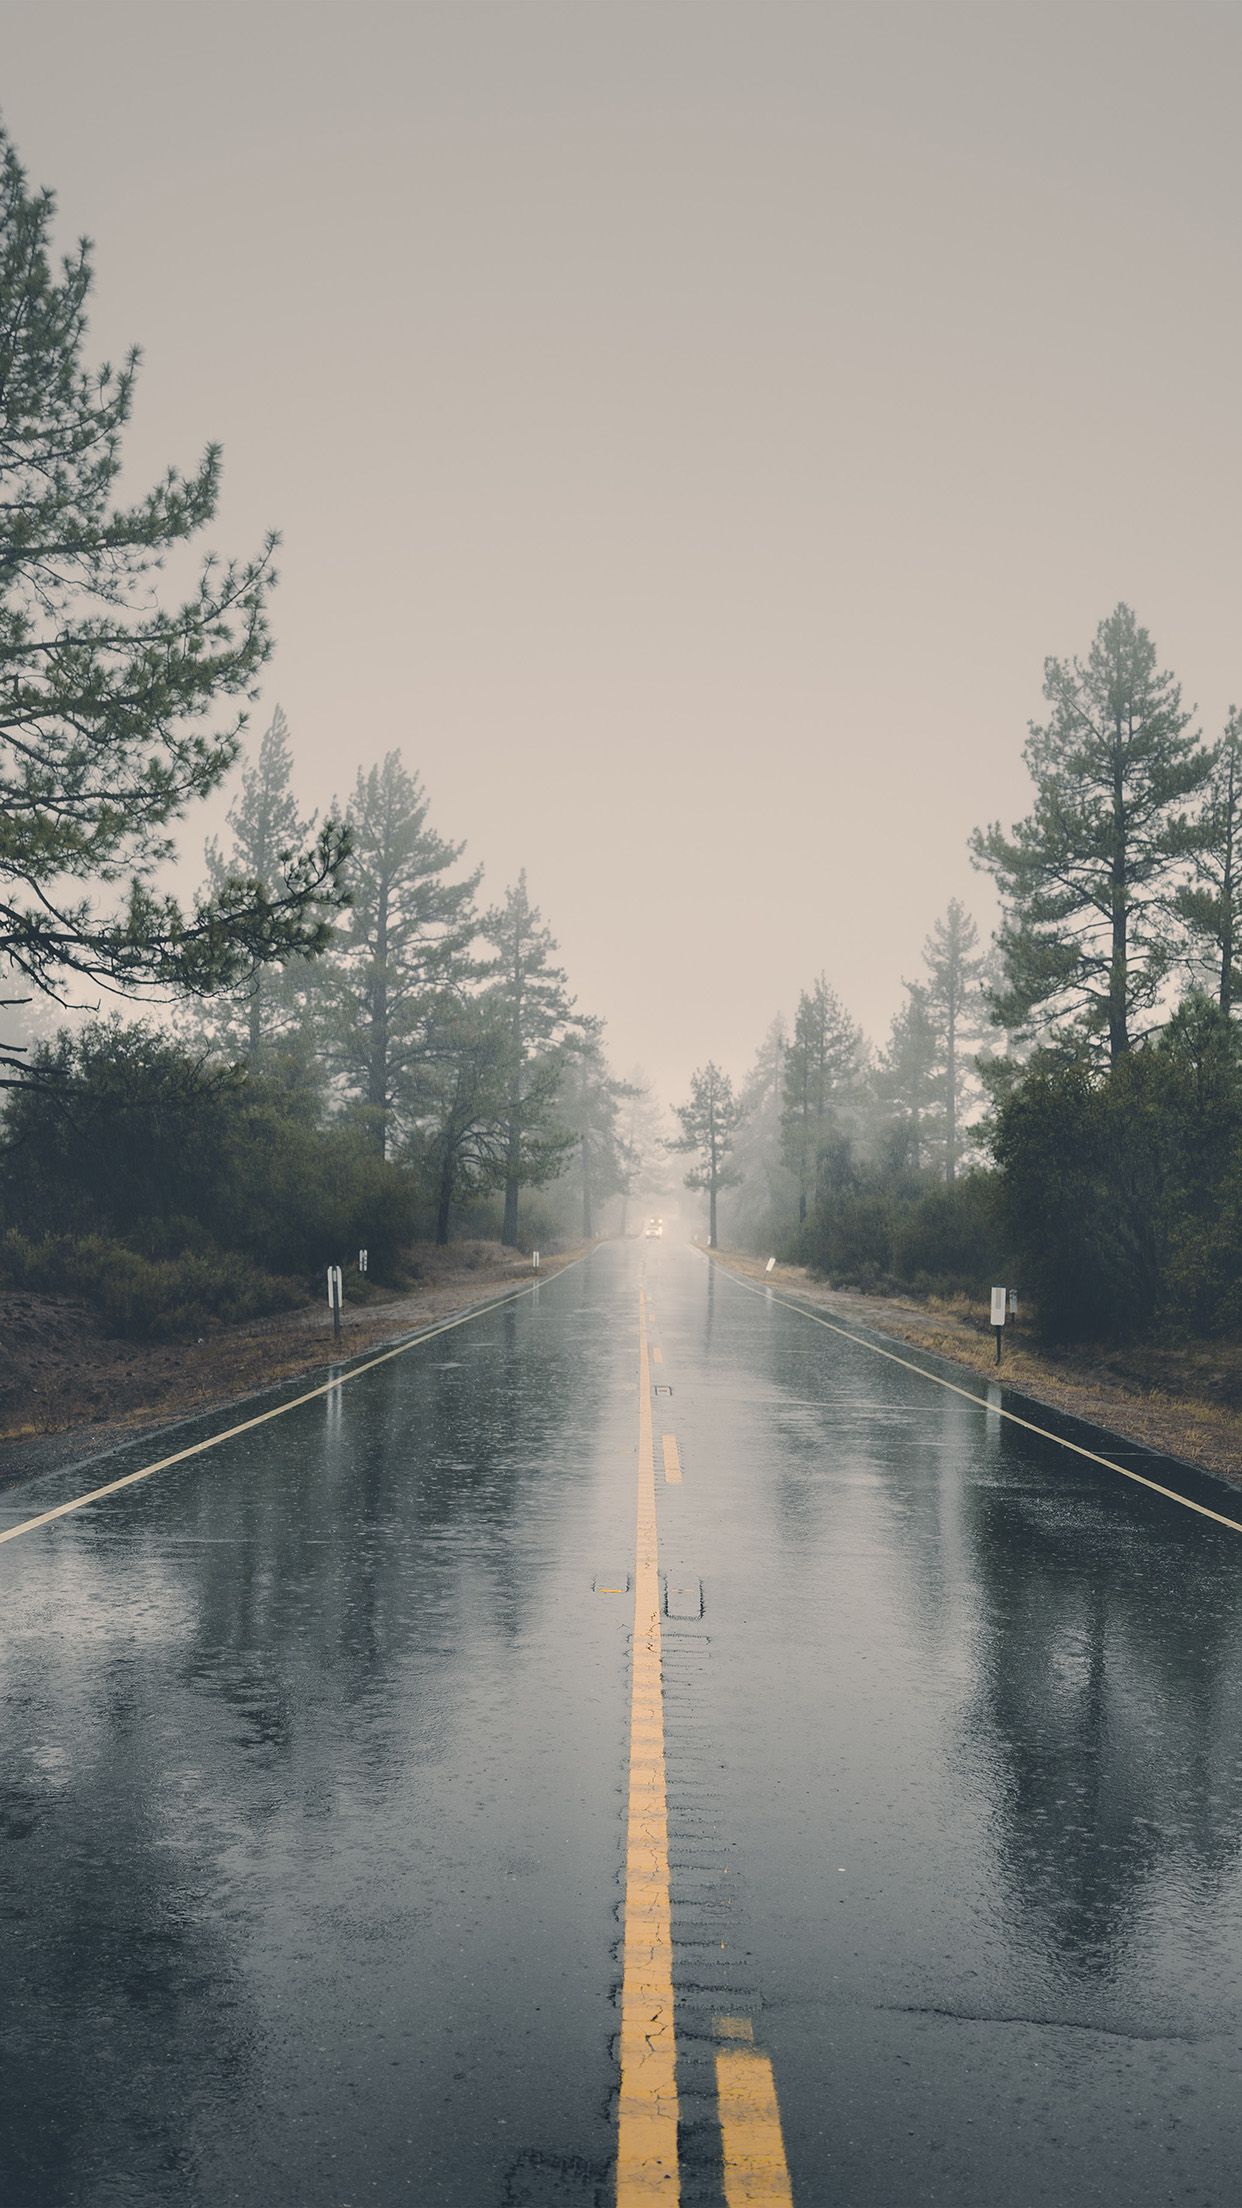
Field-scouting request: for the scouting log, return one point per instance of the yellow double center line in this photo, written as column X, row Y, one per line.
column 756, row 2174
column 647, row 2160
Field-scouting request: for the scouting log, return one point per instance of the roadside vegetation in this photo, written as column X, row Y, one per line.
column 1061, row 1109
column 336, row 1045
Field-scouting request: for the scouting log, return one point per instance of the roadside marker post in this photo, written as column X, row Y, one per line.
column 334, row 1297
column 534, row 1259
column 999, row 1302
column 770, row 1267
column 362, row 1261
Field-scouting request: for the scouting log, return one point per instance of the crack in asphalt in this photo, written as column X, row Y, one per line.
column 1043, row 2023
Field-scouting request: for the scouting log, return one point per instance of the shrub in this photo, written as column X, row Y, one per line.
column 141, row 1298
column 951, row 1238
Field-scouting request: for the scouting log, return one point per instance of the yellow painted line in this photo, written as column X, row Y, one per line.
column 262, row 1418
column 648, row 2168
column 1075, row 1447
column 657, row 1355
column 733, row 2027
column 672, row 1461
column 756, row 2174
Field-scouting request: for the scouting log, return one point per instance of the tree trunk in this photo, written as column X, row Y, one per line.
column 254, row 1021
column 1226, row 903
column 444, row 1200
column 1118, row 1028
column 950, row 1127
column 711, row 1212
column 377, row 1051
column 513, row 1166
column 588, row 1232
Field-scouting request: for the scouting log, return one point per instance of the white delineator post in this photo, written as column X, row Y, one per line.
column 999, row 1301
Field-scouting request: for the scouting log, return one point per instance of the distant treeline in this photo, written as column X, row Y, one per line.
column 1063, row 1109
column 418, row 1073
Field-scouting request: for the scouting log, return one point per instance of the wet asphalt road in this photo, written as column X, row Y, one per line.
column 314, row 1785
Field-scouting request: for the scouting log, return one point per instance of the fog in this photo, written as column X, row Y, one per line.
column 690, row 428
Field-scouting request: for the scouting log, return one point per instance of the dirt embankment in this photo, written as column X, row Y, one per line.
column 1184, row 1399
column 61, row 1374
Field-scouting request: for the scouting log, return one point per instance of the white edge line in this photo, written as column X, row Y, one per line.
column 1093, row 1457
column 247, row 1425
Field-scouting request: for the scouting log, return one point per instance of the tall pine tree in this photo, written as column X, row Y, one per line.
column 535, row 1008
column 267, row 831
column 109, row 700
column 406, row 937
column 954, row 999
column 823, row 1064
column 1210, row 903
column 1090, row 877
column 908, row 1076
column 591, row 1103
column 709, row 1122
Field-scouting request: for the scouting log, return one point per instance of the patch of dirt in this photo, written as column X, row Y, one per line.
column 1181, row 1399
column 61, row 1374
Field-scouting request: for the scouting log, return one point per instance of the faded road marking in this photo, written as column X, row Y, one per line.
column 672, row 1461
column 756, row 2174
column 657, row 1355
column 648, row 2168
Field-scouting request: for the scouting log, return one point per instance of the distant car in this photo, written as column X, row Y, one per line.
column 654, row 1226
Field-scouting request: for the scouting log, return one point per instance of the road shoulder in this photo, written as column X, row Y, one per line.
column 1190, row 1428
column 95, row 1394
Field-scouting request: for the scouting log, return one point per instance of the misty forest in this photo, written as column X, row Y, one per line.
column 346, row 1040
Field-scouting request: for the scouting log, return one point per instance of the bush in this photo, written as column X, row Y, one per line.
column 952, row 1238
column 127, row 1137
column 141, row 1298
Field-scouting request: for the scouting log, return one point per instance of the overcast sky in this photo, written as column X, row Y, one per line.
column 690, row 423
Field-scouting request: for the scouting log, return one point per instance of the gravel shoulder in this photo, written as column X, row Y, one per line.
column 1181, row 1399
column 66, row 1385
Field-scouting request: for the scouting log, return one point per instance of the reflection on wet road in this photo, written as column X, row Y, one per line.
column 318, row 1807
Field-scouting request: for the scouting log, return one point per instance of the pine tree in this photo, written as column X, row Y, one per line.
column 465, row 1130
column 267, row 830
column 536, row 1009
column 954, row 999
column 765, row 1211
column 406, row 937
column 1090, row 876
column 908, row 1078
column 1210, row 903
column 709, row 1123
column 108, row 699
column 591, row 1104
column 822, row 1066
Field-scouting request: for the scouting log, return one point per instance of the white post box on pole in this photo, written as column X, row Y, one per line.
column 999, row 1300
